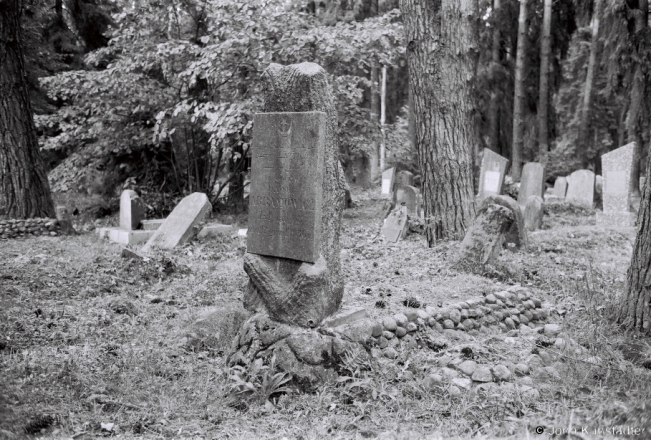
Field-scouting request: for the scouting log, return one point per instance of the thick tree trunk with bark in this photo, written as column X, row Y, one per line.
column 24, row 188
column 543, row 100
column 518, row 98
column 584, row 132
column 635, row 306
column 638, row 91
column 494, row 109
column 442, row 53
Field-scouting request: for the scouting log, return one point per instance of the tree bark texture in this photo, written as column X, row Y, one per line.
column 442, row 54
column 24, row 188
column 483, row 241
column 543, row 100
column 494, row 109
column 518, row 98
column 638, row 91
column 635, row 306
column 584, row 127
column 291, row 291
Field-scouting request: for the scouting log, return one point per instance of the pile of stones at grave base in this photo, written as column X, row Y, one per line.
column 29, row 227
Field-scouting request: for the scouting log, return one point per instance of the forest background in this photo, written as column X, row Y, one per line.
column 159, row 96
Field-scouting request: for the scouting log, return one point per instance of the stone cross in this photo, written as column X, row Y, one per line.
column 491, row 177
column 617, row 169
column 532, row 182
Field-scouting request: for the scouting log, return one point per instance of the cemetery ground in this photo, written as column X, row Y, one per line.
column 93, row 344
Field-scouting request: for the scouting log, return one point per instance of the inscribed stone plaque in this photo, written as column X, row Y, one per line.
column 492, row 181
column 491, row 162
column 287, row 185
column 532, row 182
column 616, row 182
column 178, row 227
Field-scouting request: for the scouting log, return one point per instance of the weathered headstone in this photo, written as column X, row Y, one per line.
column 491, row 176
column 483, row 240
column 65, row 219
column 580, row 189
column 533, row 213
column 286, row 185
column 388, row 178
column 179, row 226
column 291, row 297
column 295, row 212
column 404, row 177
column 132, row 210
column 532, row 182
column 560, row 187
column 408, row 196
column 515, row 237
column 395, row 224
column 617, row 169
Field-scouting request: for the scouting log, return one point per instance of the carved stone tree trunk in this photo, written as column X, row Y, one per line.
column 635, row 306
column 442, row 53
column 290, row 298
column 24, row 189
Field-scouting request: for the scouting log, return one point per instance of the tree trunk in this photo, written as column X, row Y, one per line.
column 638, row 90
column 383, row 111
column 24, row 188
column 375, row 112
column 494, row 109
column 543, row 100
column 518, row 98
column 635, row 306
column 584, row 132
column 442, row 54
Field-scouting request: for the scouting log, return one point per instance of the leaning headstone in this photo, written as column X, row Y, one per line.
column 407, row 196
column 581, row 188
column 179, row 226
column 532, row 182
column 533, row 213
column 388, row 177
column 516, row 236
column 404, row 177
column 491, row 176
column 560, row 187
column 617, row 167
column 483, row 241
column 395, row 225
column 132, row 210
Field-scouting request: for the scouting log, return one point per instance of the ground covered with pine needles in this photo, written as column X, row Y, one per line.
column 95, row 345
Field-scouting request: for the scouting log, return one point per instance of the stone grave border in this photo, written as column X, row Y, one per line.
column 23, row 228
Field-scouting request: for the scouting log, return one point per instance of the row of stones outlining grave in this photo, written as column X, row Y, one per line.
column 29, row 227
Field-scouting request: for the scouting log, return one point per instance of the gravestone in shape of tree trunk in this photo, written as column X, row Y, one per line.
column 292, row 291
column 290, row 295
